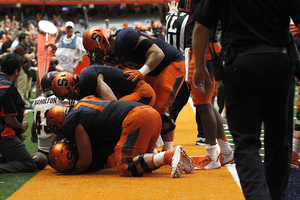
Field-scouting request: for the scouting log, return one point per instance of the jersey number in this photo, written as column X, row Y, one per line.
column 171, row 32
column 38, row 122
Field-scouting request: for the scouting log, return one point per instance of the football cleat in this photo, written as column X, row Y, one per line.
column 188, row 162
column 208, row 164
column 226, row 159
column 173, row 157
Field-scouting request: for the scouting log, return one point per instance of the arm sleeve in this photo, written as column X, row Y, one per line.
column 208, row 13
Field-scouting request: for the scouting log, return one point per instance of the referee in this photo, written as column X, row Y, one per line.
column 259, row 85
column 176, row 21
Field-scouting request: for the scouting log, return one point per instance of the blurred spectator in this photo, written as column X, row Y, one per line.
column 69, row 50
column 23, row 82
column 77, row 33
column 7, row 44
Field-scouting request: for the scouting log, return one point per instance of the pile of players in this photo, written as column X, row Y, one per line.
column 116, row 131
column 122, row 107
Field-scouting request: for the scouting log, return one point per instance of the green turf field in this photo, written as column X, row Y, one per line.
column 14, row 181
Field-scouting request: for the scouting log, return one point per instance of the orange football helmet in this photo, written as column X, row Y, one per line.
column 139, row 27
column 157, row 29
column 96, row 42
column 157, row 24
column 147, row 28
column 65, row 86
column 55, row 118
column 46, row 82
column 63, row 156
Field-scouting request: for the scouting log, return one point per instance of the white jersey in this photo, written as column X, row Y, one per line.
column 40, row 107
column 68, row 51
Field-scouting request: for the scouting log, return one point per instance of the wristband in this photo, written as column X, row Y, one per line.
column 144, row 70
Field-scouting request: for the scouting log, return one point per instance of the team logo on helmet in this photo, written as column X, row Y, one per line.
column 95, row 36
column 63, row 156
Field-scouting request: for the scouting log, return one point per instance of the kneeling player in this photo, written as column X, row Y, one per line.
column 128, row 129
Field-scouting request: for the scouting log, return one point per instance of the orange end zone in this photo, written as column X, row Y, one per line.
column 197, row 159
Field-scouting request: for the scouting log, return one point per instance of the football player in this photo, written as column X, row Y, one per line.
column 105, row 82
column 128, row 129
column 157, row 62
column 41, row 105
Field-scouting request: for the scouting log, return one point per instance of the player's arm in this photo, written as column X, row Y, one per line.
column 33, row 135
column 12, row 122
column 153, row 54
column 103, row 90
column 84, row 150
column 199, row 43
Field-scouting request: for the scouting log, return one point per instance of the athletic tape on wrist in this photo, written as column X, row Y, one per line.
column 144, row 70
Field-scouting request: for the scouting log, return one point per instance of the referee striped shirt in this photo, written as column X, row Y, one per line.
column 175, row 29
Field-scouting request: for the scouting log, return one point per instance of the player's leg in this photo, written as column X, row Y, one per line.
column 140, row 130
column 166, row 85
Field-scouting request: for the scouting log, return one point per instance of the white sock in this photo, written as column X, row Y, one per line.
column 168, row 145
column 158, row 159
column 211, row 151
column 224, row 145
column 296, row 145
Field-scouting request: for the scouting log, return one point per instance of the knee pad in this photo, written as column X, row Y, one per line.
column 132, row 166
column 297, row 127
column 167, row 118
column 298, row 115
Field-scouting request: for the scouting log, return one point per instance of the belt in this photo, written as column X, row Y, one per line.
column 258, row 49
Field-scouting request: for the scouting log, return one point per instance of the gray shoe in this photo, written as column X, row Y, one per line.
column 200, row 141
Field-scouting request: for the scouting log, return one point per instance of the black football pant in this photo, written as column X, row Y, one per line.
column 179, row 102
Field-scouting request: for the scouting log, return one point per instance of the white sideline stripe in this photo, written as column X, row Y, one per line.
column 231, row 168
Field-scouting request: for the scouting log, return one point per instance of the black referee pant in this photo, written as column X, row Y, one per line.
column 259, row 89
